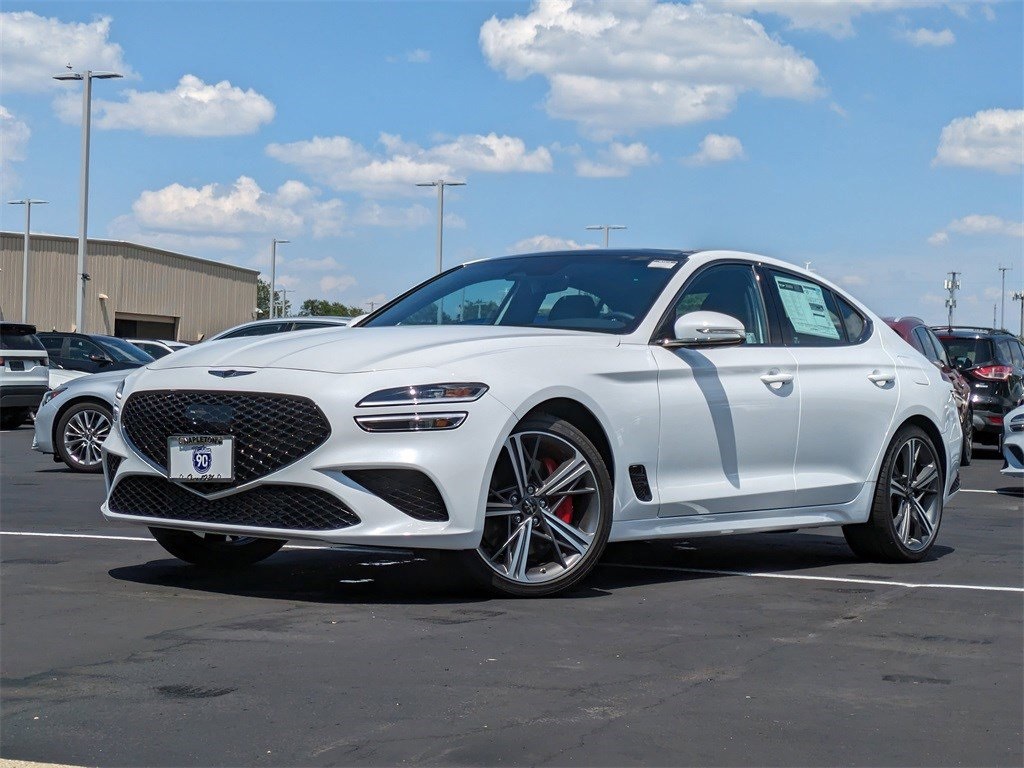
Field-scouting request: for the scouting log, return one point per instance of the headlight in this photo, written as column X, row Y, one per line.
column 52, row 393
column 1017, row 423
column 120, row 390
column 425, row 394
column 118, row 394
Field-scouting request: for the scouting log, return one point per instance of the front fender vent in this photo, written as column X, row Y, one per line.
column 641, row 485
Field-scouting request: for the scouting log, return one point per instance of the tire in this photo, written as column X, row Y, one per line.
column 80, row 432
column 907, row 509
column 538, row 542
column 967, row 452
column 215, row 550
column 12, row 418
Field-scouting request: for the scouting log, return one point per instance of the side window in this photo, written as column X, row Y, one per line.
column 52, row 344
column 263, row 329
column 1018, row 357
column 311, row 326
column 810, row 317
column 1005, row 355
column 924, row 344
column 940, row 350
column 854, row 322
column 732, row 290
column 80, row 349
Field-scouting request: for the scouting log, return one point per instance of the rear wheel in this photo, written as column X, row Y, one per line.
column 215, row 550
column 549, row 511
column 80, row 434
column 907, row 508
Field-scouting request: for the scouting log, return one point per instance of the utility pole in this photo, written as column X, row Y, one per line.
column 605, row 227
column 284, row 299
column 440, row 184
column 994, row 307
column 1018, row 296
column 273, row 271
column 1002, row 296
column 28, row 203
column 952, row 285
column 372, row 304
column 83, row 211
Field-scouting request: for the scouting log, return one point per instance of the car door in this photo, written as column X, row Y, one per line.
column 849, row 388
column 729, row 415
column 84, row 355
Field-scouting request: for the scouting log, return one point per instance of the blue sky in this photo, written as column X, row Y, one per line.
column 881, row 140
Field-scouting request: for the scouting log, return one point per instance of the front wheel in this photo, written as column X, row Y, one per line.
column 907, row 508
column 548, row 514
column 80, row 434
column 215, row 550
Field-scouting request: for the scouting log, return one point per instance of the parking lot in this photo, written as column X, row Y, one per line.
column 751, row 650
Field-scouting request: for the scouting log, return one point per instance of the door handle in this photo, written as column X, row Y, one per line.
column 881, row 379
column 777, row 380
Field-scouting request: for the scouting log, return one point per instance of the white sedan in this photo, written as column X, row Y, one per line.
column 522, row 412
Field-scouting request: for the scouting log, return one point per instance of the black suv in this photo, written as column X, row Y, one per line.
column 92, row 353
column 992, row 361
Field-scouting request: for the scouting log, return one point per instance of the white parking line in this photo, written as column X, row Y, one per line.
column 636, row 566
column 801, row 577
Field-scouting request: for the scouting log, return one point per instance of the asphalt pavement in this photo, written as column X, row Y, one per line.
column 771, row 649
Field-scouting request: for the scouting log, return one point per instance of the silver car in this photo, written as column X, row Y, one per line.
column 1013, row 442
column 74, row 419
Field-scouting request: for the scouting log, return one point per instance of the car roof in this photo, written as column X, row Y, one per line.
column 969, row 332
column 599, row 253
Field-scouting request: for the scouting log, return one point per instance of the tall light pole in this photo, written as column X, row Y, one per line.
column 440, row 184
column 952, row 285
column 83, row 210
column 28, row 203
column 273, row 271
column 606, row 228
column 1002, row 296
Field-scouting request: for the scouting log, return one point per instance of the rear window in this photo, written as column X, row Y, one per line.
column 967, row 353
column 19, row 337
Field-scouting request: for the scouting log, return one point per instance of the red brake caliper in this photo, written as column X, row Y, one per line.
column 564, row 509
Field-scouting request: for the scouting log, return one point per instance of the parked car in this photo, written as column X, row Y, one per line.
column 918, row 335
column 156, row 348
column 522, row 412
column 60, row 375
column 23, row 373
column 992, row 361
column 1013, row 443
column 75, row 418
column 281, row 325
column 91, row 353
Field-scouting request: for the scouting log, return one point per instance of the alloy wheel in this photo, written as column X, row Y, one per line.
column 84, row 435
column 543, row 509
column 915, row 494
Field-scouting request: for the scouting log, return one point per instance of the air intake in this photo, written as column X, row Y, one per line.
column 407, row 490
column 641, row 486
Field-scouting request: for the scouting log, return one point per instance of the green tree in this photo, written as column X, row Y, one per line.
column 284, row 308
column 321, row 307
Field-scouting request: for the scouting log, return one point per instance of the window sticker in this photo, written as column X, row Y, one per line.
column 660, row 264
column 805, row 307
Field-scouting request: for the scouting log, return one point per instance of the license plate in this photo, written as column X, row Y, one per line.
column 201, row 458
column 17, row 365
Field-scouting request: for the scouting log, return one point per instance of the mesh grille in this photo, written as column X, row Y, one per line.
column 407, row 490
column 111, row 462
column 641, row 485
column 292, row 507
column 270, row 431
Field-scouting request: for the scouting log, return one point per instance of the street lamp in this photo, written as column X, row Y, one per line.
column 86, row 77
column 440, row 184
column 273, row 271
column 28, row 203
column 606, row 227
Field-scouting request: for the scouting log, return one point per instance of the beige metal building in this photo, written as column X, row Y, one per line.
column 133, row 291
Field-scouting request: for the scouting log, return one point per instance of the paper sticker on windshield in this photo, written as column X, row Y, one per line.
column 660, row 264
column 804, row 304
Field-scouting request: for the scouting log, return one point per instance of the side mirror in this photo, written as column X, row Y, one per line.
column 706, row 329
column 101, row 359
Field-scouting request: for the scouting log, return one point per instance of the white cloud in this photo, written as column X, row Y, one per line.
column 192, row 108
column 127, row 228
column 616, row 160
column 375, row 215
column 978, row 224
column 313, row 265
column 336, row 283
column 615, row 68
column 852, row 281
column 14, row 136
column 241, row 210
column 716, row 148
column 930, row 37
column 834, row 17
column 418, row 56
column 346, row 165
column 37, row 47
column 545, row 243
column 991, row 140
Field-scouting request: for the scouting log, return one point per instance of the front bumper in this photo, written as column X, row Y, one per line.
column 1013, row 453
column 457, row 461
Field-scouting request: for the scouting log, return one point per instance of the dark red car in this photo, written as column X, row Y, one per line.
column 917, row 334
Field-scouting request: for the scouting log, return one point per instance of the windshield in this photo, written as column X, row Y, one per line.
column 123, row 351
column 967, row 353
column 607, row 293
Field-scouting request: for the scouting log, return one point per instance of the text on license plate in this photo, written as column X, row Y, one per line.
column 201, row 457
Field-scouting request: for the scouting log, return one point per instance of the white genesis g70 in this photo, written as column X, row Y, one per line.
column 522, row 412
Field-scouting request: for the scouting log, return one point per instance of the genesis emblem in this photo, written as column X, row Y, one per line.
column 230, row 373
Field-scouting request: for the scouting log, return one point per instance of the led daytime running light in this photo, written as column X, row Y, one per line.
column 411, row 422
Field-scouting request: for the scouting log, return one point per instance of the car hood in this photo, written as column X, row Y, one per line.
column 345, row 350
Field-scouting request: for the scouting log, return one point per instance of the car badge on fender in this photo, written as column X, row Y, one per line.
column 229, row 373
